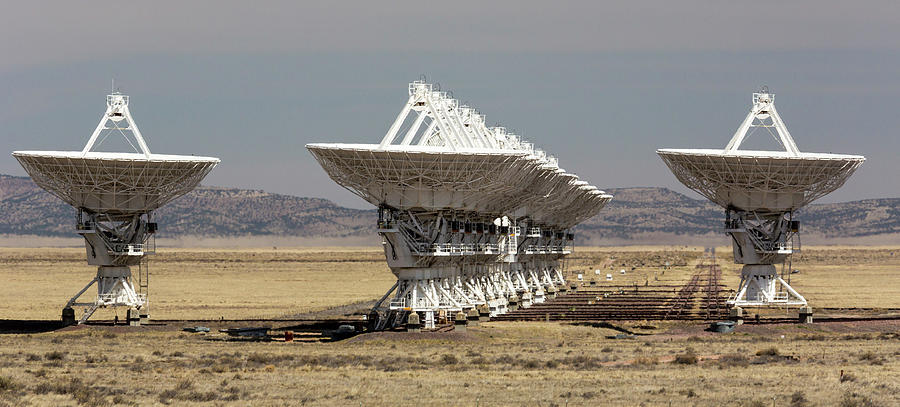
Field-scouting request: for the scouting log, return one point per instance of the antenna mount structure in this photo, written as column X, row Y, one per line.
column 760, row 191
column 115, row 195
column 473, row 219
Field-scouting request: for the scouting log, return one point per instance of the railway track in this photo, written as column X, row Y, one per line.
column 313, row 330
column 702, row 298
column 779, row 320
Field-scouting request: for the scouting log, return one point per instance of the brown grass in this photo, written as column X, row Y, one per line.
column 494, row 364
column 202, row 283
column 216, row 283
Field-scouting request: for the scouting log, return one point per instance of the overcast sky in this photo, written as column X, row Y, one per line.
column 600, row 86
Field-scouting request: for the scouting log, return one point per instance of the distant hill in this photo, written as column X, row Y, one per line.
column 648, row 214
column 636, row 215
column 647, row 211
column 26, row 209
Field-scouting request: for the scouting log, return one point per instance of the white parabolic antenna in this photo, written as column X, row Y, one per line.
column 115, row 194
column 115, row 184
column 760, row 190
column 472, row 217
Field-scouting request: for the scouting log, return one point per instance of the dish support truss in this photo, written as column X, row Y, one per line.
column 115, row 245
column 116, row 112
column 432, row 117
column 448, row 262
column 763, row 115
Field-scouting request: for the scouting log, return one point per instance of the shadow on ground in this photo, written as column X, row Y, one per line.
column 20, row 326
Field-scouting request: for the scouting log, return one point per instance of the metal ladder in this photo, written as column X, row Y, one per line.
column 144, row 280
column 87, row 313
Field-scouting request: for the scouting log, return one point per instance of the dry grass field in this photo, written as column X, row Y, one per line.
column 829, row 277
column 267, row 283
column 838, row 276
column 494, row 364
column 202, row 283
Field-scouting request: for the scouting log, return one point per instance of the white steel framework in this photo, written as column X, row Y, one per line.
column 760, row 190
column 115, row 195
column 471, row 216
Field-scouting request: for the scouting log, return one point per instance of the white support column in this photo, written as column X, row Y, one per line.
column 456, row 120
column 414, row 128
column 763, row 109
column 760, row 285
column 786, row 140
column 741, row 132
column 800, row 300
column 429, row 131
column 475, row 291
column 395, row 127
column 560, row 280
column 116, row 111
column 446, row 294
column 465, row 116
column 487, row 134
column 466, row 300
column 100, row 127
column 445, row 130
column 137, row 132
column 447, row 112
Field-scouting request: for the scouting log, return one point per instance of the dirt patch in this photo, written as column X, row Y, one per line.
column 452, row 336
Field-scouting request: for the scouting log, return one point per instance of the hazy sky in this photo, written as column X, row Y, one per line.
column 601, row 86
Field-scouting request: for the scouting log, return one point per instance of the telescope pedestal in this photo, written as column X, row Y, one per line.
column 759, row 241
column 114, row 289
column 115, row 245
column 450, row 266
column 762, row 286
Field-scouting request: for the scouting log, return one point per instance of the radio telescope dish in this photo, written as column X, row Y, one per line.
column 760, row 180
column 115, row 183
column 760, row 190
column 472, row 217
column 420, row 176
column 115, row 194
